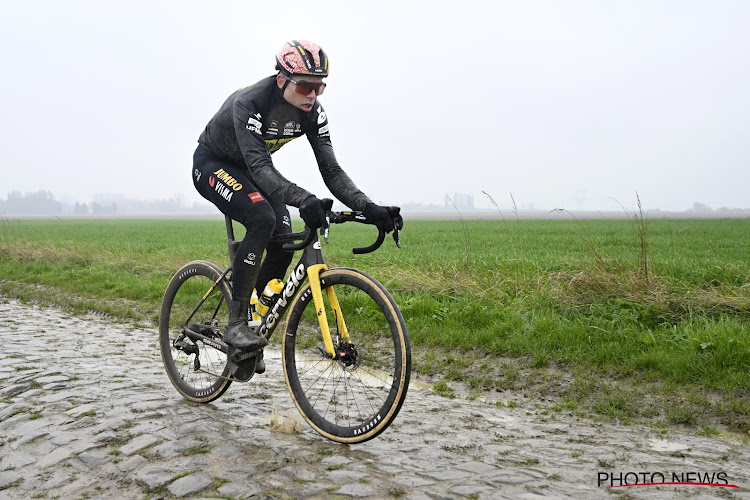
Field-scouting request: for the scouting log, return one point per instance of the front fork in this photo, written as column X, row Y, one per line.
column 313, row 273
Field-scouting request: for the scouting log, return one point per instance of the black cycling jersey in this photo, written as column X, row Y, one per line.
column 255, row 122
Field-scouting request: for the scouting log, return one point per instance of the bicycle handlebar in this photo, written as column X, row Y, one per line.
column 308, row 235
column 373, row 247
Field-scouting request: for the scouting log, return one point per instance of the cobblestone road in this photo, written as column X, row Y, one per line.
column 86, row 411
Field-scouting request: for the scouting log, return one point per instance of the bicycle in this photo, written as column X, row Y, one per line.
column 346, row 353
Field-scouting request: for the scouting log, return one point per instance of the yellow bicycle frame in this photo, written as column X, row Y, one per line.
column 313, row 273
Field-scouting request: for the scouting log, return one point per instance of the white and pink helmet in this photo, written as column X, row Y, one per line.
column 302, row 58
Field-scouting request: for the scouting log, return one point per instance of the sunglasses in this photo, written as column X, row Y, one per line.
column 305, row 88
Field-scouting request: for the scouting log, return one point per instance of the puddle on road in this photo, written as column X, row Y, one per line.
column 666, row 446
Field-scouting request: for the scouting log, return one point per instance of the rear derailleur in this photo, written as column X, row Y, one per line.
column 185, row 342
column 242, row 364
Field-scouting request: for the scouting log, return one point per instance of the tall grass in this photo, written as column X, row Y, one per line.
column 516, row 243
column 467, row 253
column 640, row 227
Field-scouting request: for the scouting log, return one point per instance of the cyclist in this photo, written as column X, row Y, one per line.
column 232, row 168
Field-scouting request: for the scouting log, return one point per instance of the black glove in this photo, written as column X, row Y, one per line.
column 384, row 217
column 311, row 211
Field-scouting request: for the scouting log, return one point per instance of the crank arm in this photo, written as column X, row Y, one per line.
column 195, row 336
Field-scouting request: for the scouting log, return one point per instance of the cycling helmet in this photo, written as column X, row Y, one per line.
column 302, row 58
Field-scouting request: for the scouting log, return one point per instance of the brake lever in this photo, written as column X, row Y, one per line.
column 327, row 206
column 324, row 230
column 395, row 211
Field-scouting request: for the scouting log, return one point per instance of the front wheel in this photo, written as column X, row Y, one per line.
column 196, row 300
column 356, row 396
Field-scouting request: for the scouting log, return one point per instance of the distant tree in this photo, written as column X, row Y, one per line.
column 101, row 210
column 80, row 209
column 39, row 203
column 701, row 207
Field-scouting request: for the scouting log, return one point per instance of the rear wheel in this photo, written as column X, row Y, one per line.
column 356, row 396
column 195, row 300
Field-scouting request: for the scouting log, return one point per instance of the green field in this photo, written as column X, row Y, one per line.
column 632, row 319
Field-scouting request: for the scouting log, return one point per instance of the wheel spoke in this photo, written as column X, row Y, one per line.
column 355, row 397
column 186, row 303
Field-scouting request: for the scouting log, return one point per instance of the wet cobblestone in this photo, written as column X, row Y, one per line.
column 86, row 411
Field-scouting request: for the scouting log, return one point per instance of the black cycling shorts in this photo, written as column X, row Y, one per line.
column 232, row 190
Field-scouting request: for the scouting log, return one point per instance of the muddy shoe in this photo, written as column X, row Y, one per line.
column 238, row 333
column 243, row 338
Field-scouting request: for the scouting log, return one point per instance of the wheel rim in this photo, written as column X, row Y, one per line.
column 208, row 319
column 365, row 386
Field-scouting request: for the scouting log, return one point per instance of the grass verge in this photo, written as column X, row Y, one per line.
column 623, row 319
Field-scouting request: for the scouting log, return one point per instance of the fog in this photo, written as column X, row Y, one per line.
column 533, row 105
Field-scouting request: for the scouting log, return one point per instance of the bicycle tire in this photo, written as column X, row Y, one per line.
column 354, row 403
column 184, row 292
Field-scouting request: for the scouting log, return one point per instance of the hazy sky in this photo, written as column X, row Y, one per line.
column 563, row 104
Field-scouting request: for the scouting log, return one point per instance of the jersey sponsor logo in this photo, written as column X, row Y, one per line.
column 254, row 124
column 224, row 191
column 211, row 181
column 321, row 115
column 228, row 179
column 273, row 128
column 250, row 259
column 197, row 174
column 256, row 197
column 275, row 144
column 323, row 130
column 289, row 128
